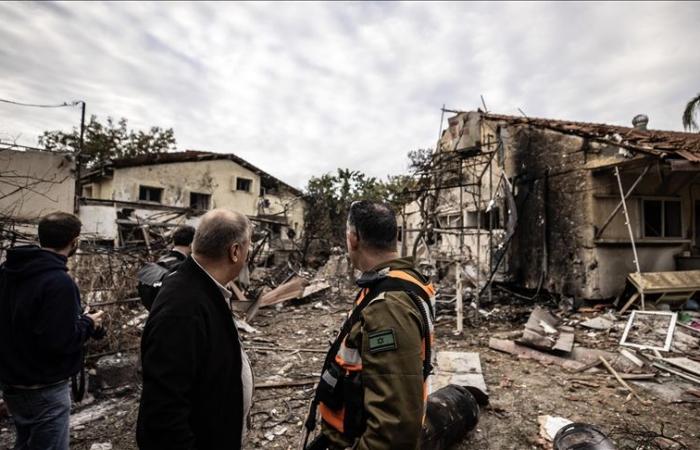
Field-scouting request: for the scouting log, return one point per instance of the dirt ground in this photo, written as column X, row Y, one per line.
column 520, row 390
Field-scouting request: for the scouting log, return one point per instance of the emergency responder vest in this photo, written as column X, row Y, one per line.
column 340, row 394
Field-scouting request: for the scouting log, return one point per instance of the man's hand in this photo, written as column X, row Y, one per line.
column 96, row 317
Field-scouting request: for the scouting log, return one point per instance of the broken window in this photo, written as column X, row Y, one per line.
column 492, row 218
column 199, row 201
column 150, row 194
column 244, row 184
column 449, row 221
column 472, row 219
column 399, row 234
column 672, row 219
column 489, row 219
column 662, row 218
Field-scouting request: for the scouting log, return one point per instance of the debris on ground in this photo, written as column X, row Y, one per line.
column 559, row 373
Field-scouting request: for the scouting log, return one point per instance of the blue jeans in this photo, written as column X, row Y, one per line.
column 41, row 416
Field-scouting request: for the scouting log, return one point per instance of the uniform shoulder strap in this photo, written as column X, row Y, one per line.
column 422, row 291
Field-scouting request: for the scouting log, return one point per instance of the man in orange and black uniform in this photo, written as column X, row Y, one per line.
column 373, row 389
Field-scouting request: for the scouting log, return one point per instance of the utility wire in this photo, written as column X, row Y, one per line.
column 33, row 105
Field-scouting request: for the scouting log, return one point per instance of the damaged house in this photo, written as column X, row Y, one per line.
column 33, row 183
column 539, row 203
column 169, row 189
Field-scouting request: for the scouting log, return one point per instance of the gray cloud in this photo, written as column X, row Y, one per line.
column 302, row 88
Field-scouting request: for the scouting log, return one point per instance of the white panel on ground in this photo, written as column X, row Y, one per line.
column 460, row 368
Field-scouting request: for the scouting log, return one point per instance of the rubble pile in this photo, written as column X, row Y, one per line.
column 543, row 370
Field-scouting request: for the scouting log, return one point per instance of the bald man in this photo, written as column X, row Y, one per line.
column 197, row 381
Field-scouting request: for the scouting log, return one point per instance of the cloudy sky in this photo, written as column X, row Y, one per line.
column 301, row 89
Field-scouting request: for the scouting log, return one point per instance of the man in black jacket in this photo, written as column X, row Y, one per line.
column 152, row 274
column 42, row 332
column 197, row 382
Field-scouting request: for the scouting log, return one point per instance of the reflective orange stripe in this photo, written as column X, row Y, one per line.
column 428, row 288
column 333, row 418
column 362, row 295
column 347, row 366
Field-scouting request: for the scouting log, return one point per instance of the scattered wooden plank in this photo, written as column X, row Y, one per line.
column 590, row 365
column 598, row 323
column 286, row 384
column 637, row 376
column 624, row 376
column 240, row 296
column 543, row 332
column 683, row 375
column 284, row 349
column 686, row 364
column 632, row 357
column 686, row 327
column 621, row 381
column 629, row 303
column 528, row 353
column 314, row 288
column 290, row 290
column 586, row 355
column 565, row 343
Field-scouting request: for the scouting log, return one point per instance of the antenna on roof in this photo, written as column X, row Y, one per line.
column 484, row 103
column 522, row 112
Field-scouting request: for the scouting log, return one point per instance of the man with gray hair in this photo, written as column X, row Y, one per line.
column 197, row 381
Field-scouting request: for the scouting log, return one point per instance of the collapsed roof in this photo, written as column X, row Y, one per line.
column 660, row 143
column 266, row 179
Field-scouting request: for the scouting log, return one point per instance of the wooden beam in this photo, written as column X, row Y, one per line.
column 621, row 381
column 285, row 384
column 528, row 353
column 630, row 302
column 285, row 349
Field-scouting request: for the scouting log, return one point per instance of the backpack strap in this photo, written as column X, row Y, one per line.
column 169, row 262
column 372, row 289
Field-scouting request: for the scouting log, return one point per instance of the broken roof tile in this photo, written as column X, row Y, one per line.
column 684, row 145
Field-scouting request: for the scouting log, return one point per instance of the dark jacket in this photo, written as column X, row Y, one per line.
column 42, row 328
column 192, row 391
column 152, row 274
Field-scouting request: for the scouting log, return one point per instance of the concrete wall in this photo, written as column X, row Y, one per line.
column 34, row 183
column 561, row 202
column 616, row 262
column 554, row 233
column 178, row 180
column 216, row 178
column 409, row 220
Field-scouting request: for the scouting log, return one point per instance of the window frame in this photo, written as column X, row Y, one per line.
column 152, row 188
column 663, row 200
column 250, row 184
column 201, row 194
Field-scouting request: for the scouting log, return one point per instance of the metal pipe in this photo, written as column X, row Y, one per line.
column 78, row 164
column 627, row 220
